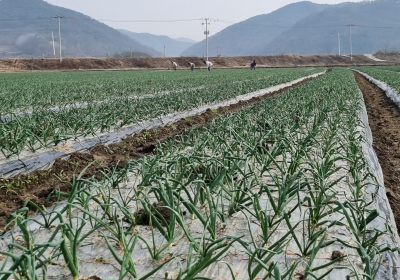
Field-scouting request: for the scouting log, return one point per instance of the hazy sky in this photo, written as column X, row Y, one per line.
column 231, row 11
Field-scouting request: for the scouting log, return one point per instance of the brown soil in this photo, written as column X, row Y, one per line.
column 336, row 254
column 299, row 276
column 143, row 218
column 384, row 120
column 289, row 60
column 38, row 185
column 89, row 278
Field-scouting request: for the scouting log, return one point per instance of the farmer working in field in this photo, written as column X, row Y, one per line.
column 253, row 65
column 174, row 65
column 192, row 66
column 209, row 65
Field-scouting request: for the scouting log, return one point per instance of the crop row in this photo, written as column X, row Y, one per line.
column 387, row 68
column 35, row 91
column 392, row 78
column 45, row 128
column 278, row 189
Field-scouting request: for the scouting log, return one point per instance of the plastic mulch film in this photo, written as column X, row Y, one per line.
column 43, row 159
column 84, row 105
column 391, row 269
column 95, row 258
column 390, row 92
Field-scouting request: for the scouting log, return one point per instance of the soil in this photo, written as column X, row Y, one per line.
column 39, row 185
column 299, row 276
column 143, row 218
column 289, row 60
column 384, row 120
column 89, row 278
column 336, row 254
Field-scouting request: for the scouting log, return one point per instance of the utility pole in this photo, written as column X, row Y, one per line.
column 338, row 36
column 59, row 33
column 131, row 52
column 351, row 44
column 207, row 32
column 54, row 46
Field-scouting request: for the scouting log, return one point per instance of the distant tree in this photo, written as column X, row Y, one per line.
column 386, row 48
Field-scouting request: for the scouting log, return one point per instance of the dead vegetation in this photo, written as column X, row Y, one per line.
column 72, row 64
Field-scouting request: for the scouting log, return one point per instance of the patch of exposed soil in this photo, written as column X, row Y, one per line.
column 336, row 254
column 38, row 185
column 284, row 60
column 299, row 276
column 89, row 278
column 143, row 217
column 384, row 120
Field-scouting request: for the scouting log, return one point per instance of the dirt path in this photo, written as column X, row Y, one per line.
column 372, row 57
column 38, row 185
column 384, row 120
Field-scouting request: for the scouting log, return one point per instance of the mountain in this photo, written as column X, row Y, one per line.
column 186, row 40
column 252, row 35
column 174, row 47
column 308, row 28
column 26, row 27
column 378, row 28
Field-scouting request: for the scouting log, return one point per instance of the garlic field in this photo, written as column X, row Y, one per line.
column 387, row 74
column 43, row 110
column 280, row 189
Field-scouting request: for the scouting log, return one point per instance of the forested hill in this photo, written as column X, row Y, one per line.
column 252, row 35
column 377, row 26
column 26, row 27
column 308, row 28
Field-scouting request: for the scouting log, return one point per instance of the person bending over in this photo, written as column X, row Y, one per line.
column 253, row 65
column 174, row 65
column 192, row 66
column 209, row 65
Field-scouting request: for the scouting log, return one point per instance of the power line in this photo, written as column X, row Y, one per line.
column 24, row 19
column 104, row 20
column 381, row 27
column 144, row 21
column 307, row 27
column 279, row 26
column 28, row 29
column 199, row 19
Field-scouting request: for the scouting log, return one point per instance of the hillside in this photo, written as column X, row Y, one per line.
column 308, row 28
column 325, row 40
column 186, row 40
column 174, row 47
column 26, row 27
column 251, row 36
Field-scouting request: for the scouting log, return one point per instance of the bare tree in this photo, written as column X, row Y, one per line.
column 386, row 48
